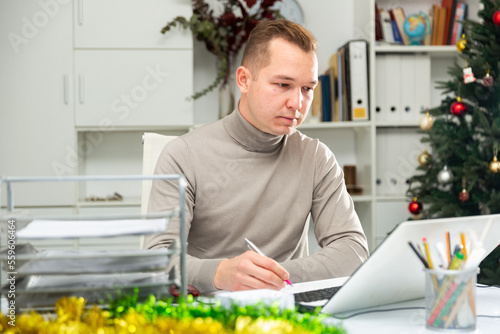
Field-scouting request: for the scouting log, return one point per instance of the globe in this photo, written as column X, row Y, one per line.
column 417, row 27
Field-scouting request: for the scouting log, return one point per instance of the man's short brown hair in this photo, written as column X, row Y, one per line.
column 256, row 54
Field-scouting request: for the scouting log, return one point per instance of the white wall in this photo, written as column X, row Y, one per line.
column 331, row 21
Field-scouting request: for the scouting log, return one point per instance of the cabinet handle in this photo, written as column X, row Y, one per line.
column 82, row 90
column 65, row 89
column 80, row 12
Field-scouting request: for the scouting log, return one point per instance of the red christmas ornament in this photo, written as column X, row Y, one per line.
column 457, row 108
column 415, row 207
column 463, row 196
column 488, row 80
column 496, row 18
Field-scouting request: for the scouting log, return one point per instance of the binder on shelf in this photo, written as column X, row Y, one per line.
column 408, row 84
column 380, row 88
column 356, row 79
column 402, row 87
column 393, row 87
column 422, row 88
column 382, row 186
column 397, row 150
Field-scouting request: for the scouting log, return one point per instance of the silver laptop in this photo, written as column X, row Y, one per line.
column 393, row 273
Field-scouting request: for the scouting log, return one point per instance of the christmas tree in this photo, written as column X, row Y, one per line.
column 460, row 173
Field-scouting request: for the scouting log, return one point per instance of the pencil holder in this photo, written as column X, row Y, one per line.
column 450, row 299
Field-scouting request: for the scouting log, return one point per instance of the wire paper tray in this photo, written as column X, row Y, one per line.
column 54, row 262
column 43, row 277
column 41, row 291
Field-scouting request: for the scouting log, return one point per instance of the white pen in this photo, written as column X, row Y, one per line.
column 256, row 249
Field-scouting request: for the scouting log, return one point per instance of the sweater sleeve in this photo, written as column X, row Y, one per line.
column 336, row 226
column 164, row 196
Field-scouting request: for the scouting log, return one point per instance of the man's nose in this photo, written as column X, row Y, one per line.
column 295, row 100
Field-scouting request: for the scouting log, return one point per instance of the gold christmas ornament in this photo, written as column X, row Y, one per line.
column 495, row 164
column 424, row 159
column 426, row 122
column 461, row 44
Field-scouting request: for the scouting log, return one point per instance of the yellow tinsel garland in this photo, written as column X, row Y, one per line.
column 71, row 317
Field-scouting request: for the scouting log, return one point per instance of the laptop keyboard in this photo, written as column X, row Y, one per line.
column 314, row 295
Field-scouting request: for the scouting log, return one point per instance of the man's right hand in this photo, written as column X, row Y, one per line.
column 250, row 271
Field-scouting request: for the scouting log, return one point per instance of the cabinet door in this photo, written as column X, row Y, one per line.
column 130, row 24
column 133, row 88
column 36, row 113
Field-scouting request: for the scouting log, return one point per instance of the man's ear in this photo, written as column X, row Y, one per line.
column 243, row 78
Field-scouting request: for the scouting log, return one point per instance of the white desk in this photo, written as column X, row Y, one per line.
column 413, row 321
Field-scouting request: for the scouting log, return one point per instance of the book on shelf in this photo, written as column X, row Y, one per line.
column 326, row 109
column 379, row 36
column 446, row 20
column 340, row 85
column 435, row 18
column 428, row 39
column 387, row 30
column 315, row 114
column 441, row 22
column 398, row 16
column 334, row 78
column 450, row 6
column 460, row 15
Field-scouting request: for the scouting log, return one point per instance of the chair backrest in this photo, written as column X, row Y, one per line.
column 153, row 144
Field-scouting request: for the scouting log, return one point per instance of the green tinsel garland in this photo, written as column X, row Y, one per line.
column 126, row 315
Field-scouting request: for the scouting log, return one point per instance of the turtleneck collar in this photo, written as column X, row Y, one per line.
column 248, row 136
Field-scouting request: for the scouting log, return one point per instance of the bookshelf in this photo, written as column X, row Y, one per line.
column 396, row 140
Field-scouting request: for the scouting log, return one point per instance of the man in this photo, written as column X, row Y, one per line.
column 253, row 175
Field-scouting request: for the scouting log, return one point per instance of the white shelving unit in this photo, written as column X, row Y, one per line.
column 396, row 142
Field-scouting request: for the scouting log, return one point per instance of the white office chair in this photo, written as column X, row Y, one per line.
column 153, row 144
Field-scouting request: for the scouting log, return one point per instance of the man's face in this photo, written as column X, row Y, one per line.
column 278, row 98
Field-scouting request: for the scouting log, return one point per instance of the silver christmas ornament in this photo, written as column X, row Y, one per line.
column 445, row 175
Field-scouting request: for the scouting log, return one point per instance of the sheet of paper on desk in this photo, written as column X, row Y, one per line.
column 60, row 229
column 267, row 297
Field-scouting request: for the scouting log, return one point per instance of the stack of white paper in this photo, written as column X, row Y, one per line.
column 60, row 229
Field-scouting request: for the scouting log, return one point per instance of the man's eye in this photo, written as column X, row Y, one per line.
column 307, row 89
column 283, row 85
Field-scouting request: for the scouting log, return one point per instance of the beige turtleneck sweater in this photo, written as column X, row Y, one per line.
column 244, row 183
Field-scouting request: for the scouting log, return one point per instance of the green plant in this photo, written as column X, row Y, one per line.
column 224, row 34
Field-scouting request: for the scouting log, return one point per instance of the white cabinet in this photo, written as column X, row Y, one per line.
column 79, row 74
column 129, row 79
column 133, row 88
column 37, row 134
column 130, row 24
